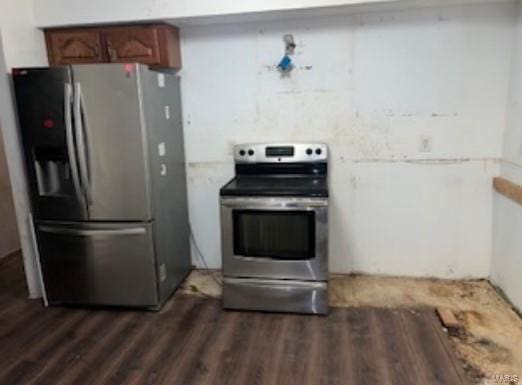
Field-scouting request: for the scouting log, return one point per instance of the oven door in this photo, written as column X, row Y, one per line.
column 279, row 238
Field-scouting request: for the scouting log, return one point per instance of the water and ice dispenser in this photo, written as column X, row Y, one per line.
column 53, row 174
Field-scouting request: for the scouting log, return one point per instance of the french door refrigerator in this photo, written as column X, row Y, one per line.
column 105, row 163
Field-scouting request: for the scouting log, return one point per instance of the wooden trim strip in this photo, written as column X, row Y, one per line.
column 447, row 318
column 509, row 189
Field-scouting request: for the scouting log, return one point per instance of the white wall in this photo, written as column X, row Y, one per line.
column 370, row 86
column 51, row 13
column 22, row 45
column 512, row 150
column 507, row 252
column 9, row 241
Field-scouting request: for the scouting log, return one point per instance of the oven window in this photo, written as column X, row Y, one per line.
column 288, row 235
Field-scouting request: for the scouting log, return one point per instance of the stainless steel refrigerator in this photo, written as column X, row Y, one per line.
column 105, row 163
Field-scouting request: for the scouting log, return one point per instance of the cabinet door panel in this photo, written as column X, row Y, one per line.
column 75, row 47
column 133, row 44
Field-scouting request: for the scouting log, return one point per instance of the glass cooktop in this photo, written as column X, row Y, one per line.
column 277, row 185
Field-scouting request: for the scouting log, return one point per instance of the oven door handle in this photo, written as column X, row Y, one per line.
column 270, row 204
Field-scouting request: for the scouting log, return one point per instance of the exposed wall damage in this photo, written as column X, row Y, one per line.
column 373, row 87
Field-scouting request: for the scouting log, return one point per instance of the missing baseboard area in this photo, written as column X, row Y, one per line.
column 505, row 297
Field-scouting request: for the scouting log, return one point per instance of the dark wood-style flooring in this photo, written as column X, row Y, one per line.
column 193, row 341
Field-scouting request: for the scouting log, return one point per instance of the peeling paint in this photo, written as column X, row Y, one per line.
column 200, row 165
column 441, row 161
column 441, row 115
column 353, row 181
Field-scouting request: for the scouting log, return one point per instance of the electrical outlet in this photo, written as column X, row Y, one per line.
column 425, row 144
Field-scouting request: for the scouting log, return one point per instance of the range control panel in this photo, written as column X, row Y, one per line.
column 280, row 152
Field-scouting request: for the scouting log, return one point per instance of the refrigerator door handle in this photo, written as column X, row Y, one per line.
column 81, row 143
column 93, row 232
column 71, row 151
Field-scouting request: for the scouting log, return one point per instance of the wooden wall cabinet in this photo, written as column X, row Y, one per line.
column 75, row 46
column 156, row 45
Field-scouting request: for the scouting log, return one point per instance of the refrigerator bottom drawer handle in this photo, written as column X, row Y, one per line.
column 91, row 233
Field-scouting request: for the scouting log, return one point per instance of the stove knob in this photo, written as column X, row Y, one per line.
column 242, row 152
column 250, row 152
column 309, row 151
column 318, row 151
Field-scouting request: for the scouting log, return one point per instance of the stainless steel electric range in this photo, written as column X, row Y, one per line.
column 274, row 229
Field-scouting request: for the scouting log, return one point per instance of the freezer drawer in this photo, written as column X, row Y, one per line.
column 98, row 264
